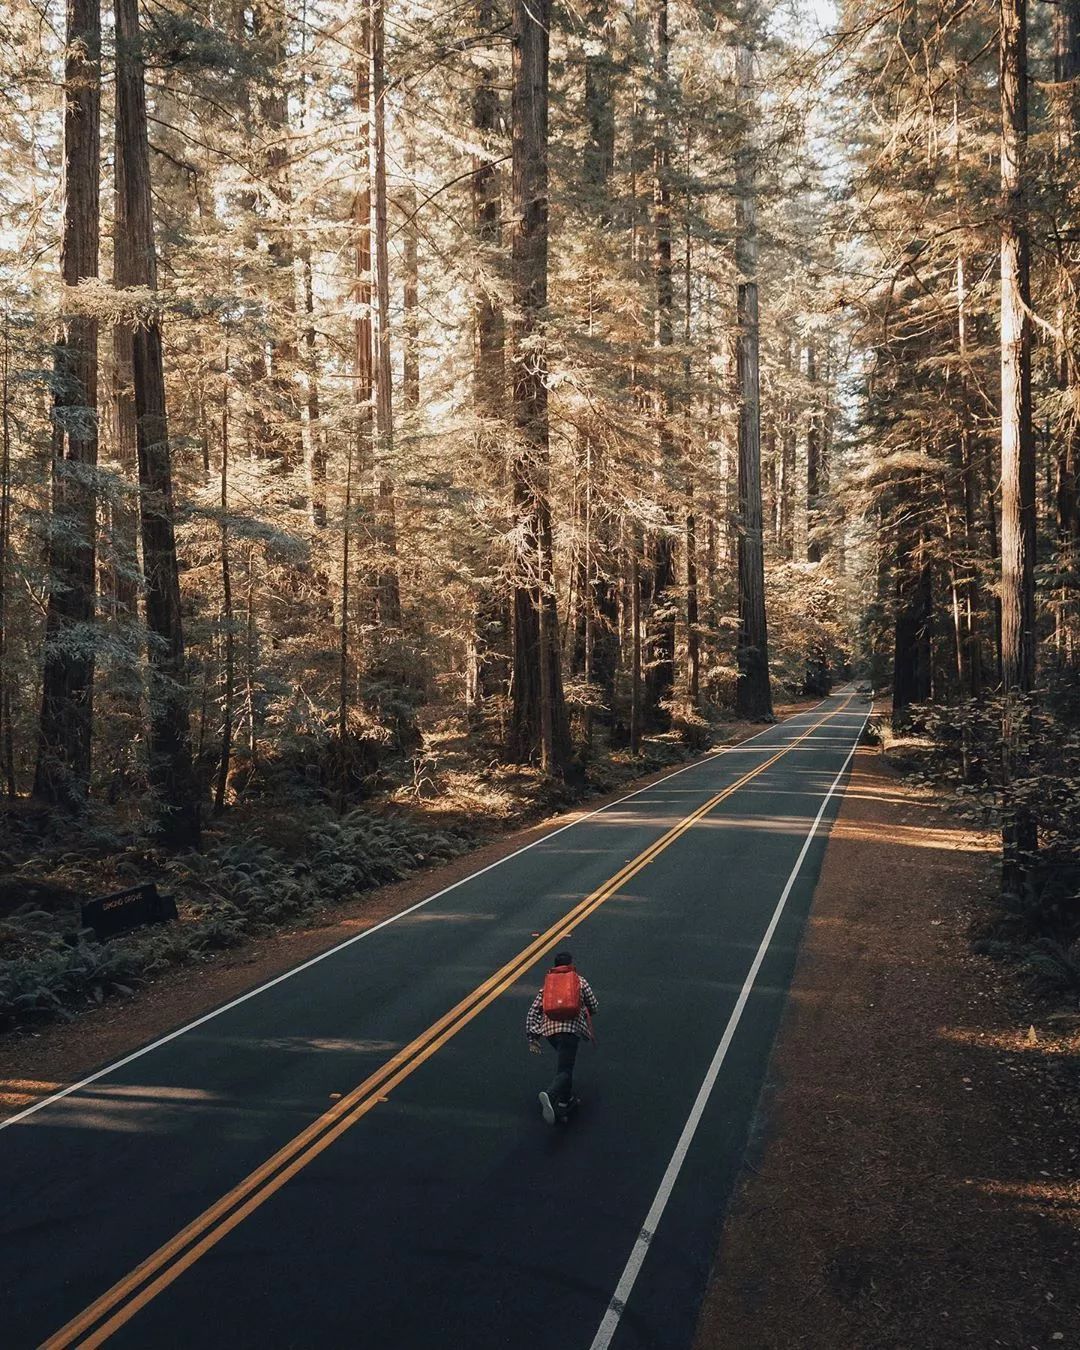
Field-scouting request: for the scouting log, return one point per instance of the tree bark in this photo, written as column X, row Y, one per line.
column 314, row 434
column 489, row 645
column 785, row 489
column 753, row 695
column 914, row 614
column 410, row 383
column 1066, row 105
column 170, row 745
column 660, row 669
column 813, row 461
column 971, row 598
column 389, row 589
column 599, row 159
column 7, row 737
column 343, row 629
column 229, row 692
column 125, row 516
column 635, row 644
column 595, row 650
column 271, row 33
column 693, row 607
column 315, row 449
column 539, row 722
column 1018, row 520
column 62, row 776
column 362, row 466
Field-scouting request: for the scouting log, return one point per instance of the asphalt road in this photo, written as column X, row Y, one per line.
column 428, row 1205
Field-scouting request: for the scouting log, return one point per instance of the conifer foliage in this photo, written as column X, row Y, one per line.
column 567, row 375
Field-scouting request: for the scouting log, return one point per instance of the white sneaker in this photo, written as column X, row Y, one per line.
column 547, row 1108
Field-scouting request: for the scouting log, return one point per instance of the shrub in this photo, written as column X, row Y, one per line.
column 227, row 894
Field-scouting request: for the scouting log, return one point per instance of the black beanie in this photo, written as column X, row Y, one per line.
column 563, row 959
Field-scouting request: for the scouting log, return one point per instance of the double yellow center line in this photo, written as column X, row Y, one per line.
column 120, row 1303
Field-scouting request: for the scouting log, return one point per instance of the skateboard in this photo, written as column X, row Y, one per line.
column 554, row 1115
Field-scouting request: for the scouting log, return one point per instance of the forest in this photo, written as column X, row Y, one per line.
column 551, row 382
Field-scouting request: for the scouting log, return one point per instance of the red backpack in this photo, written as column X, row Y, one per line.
column 562, row 994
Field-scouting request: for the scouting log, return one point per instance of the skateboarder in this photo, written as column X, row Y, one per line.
column 561, row 1012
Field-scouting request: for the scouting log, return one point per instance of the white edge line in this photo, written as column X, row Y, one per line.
column 369, row 932
column 610, row 1323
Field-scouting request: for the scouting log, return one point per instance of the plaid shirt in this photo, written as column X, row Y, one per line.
column 537, row 1025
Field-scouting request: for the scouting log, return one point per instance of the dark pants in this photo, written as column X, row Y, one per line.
column 565, row 1045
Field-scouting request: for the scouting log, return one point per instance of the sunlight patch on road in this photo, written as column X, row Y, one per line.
column 130, row 1108
column 449, row 916
column 25, row 1091
column 305, row 1044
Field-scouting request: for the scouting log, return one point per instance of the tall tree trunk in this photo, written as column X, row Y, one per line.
column 660, row 672
column 1066, row 104
column 315, row 448
column 7, row 736
column 635, row 642
column 125, row 516
column 971, row 599
column 785, row 490
column 599, row 158
column 539, row 722
column 410, row 321
column 637, row 387
column 770, row 465
column 229, row 693
column 170, row 745
column 693, row 609
column 314, row 435
column 914, row 609
column 1018, row 520
column 993, row 540
column 343, row 628
column 270, row 30
column 251, row 654
column 362, row 469
column 596, row 645
column 62, row 775
column 389, row 590
column 960, row 645
column 813, row 460
column 489, row 646
column 489, row 362
column 753, row 695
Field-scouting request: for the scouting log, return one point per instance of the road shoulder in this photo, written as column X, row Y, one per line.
column 913, row 1175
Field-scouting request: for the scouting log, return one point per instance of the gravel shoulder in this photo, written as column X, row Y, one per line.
column 913, row 1179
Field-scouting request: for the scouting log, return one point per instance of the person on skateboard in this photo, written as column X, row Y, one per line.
column 562, row 1013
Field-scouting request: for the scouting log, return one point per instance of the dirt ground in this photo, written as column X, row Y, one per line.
column 35, row 1063
column 914, row 1177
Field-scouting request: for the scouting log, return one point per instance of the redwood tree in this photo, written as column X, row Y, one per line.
column 62, row 775
column 1019, row 833
column 488, row 663
column 170, row 744
column 539, row 721
column 389, row 591
column 753, row 697
column 660, row 671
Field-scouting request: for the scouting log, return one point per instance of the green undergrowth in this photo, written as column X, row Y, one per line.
column 235, row 889
column 1032, row 927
